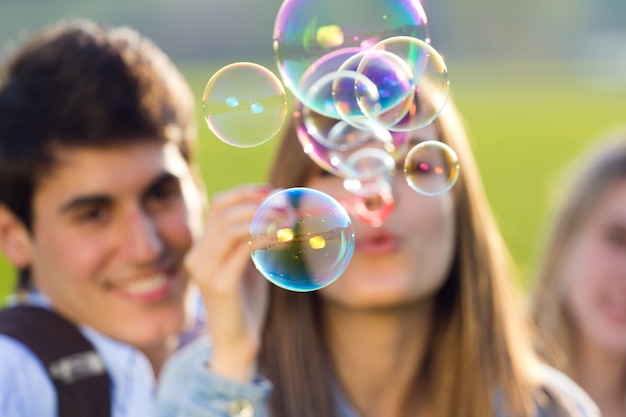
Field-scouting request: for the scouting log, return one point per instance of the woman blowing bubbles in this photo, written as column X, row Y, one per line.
column 421, row 323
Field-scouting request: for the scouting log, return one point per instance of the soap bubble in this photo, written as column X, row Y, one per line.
column 428, row 75
column 301, row 239
column 374, row 94
column 431, row 167
column 372, row 200
column 244, row 104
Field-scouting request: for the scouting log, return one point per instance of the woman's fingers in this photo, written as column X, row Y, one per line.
column 227, row 228
column 235, row 295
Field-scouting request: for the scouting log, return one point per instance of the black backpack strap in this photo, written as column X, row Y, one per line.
column 78, row 374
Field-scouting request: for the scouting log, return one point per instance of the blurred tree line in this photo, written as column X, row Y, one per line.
column 209, row 29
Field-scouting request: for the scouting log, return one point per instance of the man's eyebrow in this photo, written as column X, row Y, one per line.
column 85, row 201
column 100, row 199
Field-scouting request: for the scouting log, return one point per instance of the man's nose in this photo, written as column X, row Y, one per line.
column 142, row 241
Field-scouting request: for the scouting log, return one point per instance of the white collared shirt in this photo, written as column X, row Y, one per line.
column 26, row 389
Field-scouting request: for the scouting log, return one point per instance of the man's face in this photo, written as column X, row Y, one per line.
column 110, row 230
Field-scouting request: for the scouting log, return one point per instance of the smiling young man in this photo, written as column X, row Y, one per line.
column 99, row 203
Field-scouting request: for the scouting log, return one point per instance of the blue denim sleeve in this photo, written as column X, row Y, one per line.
column 187, row 387
column 578, row 399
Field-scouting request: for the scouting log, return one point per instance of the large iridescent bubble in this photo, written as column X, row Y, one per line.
column 301, row 239
column 312, row 39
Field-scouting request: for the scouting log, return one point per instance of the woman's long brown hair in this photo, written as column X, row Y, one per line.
column 480, row 348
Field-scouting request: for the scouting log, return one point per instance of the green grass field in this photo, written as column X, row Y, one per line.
column 525, row 125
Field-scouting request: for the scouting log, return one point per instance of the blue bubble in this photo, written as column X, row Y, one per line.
column 301, row 239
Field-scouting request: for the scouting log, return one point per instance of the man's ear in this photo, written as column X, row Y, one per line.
column 15, row 240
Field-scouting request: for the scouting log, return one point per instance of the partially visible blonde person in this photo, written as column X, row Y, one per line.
column 423, row 322
column 580, row 294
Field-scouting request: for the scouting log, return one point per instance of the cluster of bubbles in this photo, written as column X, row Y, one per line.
column 364, row 76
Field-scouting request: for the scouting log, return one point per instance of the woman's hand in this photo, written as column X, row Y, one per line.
column 234, row 293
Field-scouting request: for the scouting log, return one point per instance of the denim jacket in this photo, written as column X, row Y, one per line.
column 188, row 388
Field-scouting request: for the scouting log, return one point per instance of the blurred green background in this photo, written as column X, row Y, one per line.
column 533, row 92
